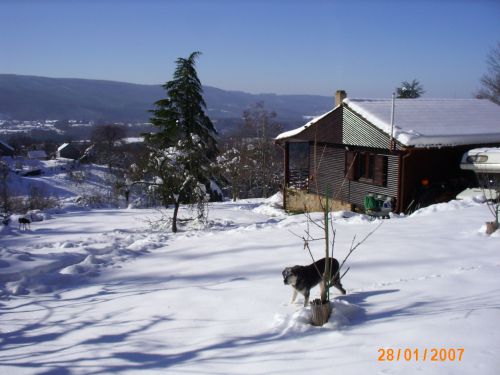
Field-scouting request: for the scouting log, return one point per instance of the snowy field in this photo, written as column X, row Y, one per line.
column 98, row 292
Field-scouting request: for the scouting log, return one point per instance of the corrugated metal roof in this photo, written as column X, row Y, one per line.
column 423, row 122
column 433, row 122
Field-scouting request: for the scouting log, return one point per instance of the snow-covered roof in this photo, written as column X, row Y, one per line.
column 426, row 122
column 62, row 146
column 7, row 146
column 133, row 140
column 37, row 154
column 433, row 122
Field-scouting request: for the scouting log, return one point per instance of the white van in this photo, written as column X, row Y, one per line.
column 485, row 162
column 482, row 160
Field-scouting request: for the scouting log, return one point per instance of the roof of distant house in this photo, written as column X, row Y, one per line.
column 6, row 145
column 37, row 154
column 133, row 140
column 62, row 146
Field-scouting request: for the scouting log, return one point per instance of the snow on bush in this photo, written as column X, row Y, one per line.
column 343, row 314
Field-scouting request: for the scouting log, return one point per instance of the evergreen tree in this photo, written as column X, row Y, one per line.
column 183, row 149
column 410, row 90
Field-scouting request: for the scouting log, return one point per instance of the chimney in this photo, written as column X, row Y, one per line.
column 339, row 96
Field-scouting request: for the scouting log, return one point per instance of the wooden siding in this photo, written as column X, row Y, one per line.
column 359, row 132
column 327, row 129
column 343, row 129
column 329, row 169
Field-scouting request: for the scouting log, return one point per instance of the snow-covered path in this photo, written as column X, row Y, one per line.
column 212, row 301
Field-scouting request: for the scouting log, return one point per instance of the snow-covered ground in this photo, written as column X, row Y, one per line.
column 89, row 291
column 62, row 179
column 99, row 292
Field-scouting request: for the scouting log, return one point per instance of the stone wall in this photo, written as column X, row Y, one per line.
column 301, row 201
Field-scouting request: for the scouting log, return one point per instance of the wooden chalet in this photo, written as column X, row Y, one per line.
column 68, row 151
column 405, row 151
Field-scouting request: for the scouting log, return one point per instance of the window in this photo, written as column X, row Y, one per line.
column 366, row 167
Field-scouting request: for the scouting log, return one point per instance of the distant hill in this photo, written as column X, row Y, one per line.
column 36, row 98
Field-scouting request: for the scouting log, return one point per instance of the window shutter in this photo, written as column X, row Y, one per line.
column 350, row 165
column 379, row 177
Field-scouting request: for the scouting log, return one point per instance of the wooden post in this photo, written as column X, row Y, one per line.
column 287, row 172
column 320, row 308
column 320, row 312
column 491, row 227
column 325, row 295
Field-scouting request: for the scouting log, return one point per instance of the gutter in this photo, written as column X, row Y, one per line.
column 402, row 178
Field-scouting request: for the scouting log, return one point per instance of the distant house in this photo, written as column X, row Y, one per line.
column 6, row 150
column 353, row 152
column 68, row 151
column 89, row 154
column 37, row 155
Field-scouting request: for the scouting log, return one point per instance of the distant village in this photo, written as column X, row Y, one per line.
column 9, row 127
column 43, row 139
column 120, row 145
column 15, row 126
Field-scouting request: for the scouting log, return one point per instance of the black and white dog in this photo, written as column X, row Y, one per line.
column 24, row 223
column 304, row 278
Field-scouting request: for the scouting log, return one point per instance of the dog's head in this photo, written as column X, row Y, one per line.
column 289, row 276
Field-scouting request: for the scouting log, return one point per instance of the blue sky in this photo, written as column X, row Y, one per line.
column 274, row 46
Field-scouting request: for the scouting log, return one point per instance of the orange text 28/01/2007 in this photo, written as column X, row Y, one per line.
column 420, row 355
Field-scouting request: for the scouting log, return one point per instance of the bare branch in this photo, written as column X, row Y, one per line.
column 347, row 270
column 354, row 247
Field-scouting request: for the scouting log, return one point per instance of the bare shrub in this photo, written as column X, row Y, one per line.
column 97, row 198
column 17, row 204
column 78, row 177
column 38, row 199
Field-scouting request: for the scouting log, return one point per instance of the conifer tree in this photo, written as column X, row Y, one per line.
column 184, row 147
column 410, row 90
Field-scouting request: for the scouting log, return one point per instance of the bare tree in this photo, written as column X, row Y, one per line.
column 249, row 166
column 321, row 308
column 491, row 80
column 4, row 177
column 229, row 164
column 107, row 138
column 267, row 159
column 490, row 185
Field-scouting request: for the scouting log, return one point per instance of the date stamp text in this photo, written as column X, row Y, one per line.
column 420, row 355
